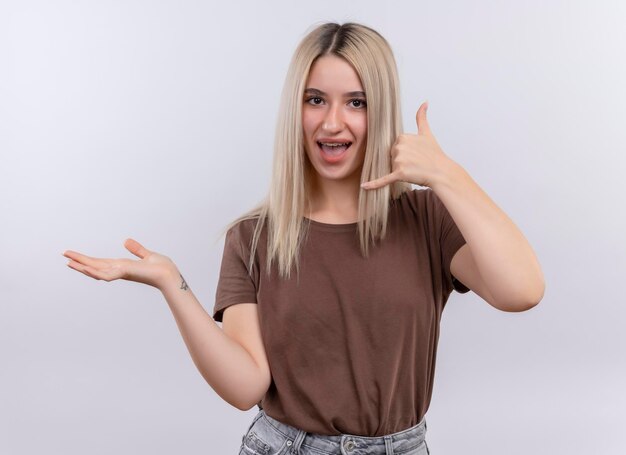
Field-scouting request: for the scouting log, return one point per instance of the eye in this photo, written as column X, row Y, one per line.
column 315, row 100
column 358, row 103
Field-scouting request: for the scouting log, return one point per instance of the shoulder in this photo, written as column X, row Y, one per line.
column 241, row 231
column 419, row 207
column 243, row 226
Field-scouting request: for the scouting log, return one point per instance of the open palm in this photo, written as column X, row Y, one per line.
column 152, row 268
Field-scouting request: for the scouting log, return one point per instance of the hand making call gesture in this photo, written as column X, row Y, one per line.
column 415, row 158
column 153, row 269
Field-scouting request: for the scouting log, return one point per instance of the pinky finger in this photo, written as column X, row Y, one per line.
column 93, row 273
column 84, row 269
column 99, row 274
column 78, row 267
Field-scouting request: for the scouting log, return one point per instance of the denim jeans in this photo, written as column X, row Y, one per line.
column 267, row 436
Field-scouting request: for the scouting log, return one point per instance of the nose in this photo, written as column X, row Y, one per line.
column 333, row 120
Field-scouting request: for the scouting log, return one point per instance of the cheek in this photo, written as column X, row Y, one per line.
column 309, row 122
column 362, row 129
column 360, row 123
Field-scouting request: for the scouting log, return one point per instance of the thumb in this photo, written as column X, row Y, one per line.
column 380, row 182
column 136, row 248
column 422, row 122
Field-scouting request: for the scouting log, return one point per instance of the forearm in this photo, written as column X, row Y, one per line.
column 505, row 259
column 225, row 365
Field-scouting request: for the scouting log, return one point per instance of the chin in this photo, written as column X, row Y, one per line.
column 340, row 175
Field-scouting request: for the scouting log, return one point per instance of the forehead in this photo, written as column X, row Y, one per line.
column 331, row 73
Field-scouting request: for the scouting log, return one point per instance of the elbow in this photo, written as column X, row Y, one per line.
column 528, row 294
column 247, row 405
column 523, row 300
column 242, row 403
column 516, row 307
column 535, row 292
column 525, row 306
column 246, row 399
column 241, row 406
column 254, row 395
column 537, row 295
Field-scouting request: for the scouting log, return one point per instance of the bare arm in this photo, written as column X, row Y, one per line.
column 224, row 363
column 232, row 360
column 497, row 263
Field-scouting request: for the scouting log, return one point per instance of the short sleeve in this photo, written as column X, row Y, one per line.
column 450, row 239
column 235, row 285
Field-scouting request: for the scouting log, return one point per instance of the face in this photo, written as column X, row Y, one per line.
column 334, row 120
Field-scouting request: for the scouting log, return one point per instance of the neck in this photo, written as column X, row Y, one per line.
column 334, row 201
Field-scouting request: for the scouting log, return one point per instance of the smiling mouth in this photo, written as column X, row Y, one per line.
column 334, row 149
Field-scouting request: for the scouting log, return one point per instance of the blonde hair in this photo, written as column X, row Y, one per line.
column 284, row 207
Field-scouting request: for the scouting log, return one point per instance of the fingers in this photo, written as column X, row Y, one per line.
column 90, row 271
column 136, row 248
column 100, row 269
column 131, row 245
column 81, row 258
column 76, row 266
column 422, row 122
column 380, row 182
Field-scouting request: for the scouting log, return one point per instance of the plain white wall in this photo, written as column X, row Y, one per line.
column 155, row 119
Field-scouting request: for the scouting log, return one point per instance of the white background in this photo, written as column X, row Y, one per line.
column 155, row 120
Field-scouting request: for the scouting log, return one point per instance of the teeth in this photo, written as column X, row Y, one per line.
column 334, row 144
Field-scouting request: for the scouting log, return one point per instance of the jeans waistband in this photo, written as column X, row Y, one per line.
column 399, row 442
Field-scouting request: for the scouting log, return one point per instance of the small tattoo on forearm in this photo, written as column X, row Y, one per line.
column 184, row 286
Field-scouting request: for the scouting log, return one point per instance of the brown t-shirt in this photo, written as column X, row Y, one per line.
column 352, row 343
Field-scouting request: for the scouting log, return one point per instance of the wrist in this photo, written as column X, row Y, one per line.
column 171, row 280
column 451, row 173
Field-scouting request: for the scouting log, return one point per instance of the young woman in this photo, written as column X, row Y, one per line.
column 331, row 291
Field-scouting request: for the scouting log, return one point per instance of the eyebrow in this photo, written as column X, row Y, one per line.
column 314, row 91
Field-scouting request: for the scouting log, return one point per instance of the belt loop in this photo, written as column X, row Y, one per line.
column 388, row 445
column 295, row 447
column 256, row 417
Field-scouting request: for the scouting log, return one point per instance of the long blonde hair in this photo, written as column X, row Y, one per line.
column 284, row 207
